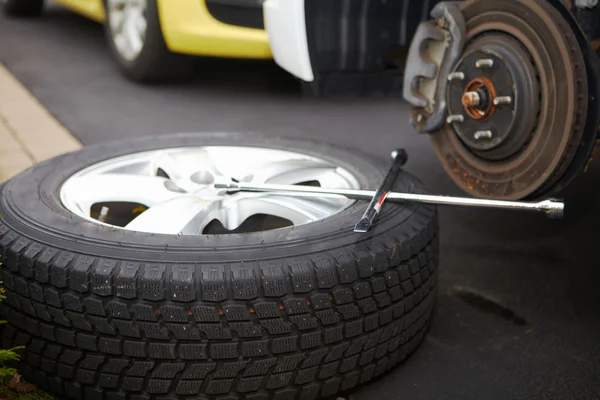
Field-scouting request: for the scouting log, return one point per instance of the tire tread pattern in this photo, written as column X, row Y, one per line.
column 297, row 328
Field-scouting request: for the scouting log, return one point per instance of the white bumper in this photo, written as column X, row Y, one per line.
column 286, row 27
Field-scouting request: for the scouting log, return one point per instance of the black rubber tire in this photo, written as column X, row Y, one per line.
column 155, row 62
column 294, row 313
column 22, row 8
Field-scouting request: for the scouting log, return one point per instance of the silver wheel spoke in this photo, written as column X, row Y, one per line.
column 117, row 22
column 186, row 215
column 88, row 190
column 295, row 209
column 293, row 171
column 141, row 25
column 326, row 176
column 187, row 170
column 133, row 36
column 128, row 26
column 183, row 166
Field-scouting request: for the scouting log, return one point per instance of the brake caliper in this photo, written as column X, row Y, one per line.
column 435, row 48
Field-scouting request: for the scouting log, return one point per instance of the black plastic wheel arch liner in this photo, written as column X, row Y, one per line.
column 358, row 35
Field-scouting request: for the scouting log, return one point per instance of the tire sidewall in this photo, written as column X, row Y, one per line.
column 30, row 204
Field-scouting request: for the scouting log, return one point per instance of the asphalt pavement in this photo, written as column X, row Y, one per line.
column 518, row 313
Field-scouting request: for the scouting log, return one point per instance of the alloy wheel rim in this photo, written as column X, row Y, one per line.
column 128, row 25
column 171, row 191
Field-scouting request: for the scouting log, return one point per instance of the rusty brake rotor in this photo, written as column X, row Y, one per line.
column 516, row 100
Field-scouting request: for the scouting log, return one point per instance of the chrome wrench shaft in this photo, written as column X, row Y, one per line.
column 552, row 208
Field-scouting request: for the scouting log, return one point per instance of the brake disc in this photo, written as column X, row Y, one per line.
column 517, row 100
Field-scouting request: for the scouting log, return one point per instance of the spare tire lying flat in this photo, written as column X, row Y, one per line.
column 120, row 289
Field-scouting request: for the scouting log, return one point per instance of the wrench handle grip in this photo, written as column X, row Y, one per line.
column 374, row 208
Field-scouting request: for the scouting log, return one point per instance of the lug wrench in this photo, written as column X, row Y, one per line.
column 551, row 207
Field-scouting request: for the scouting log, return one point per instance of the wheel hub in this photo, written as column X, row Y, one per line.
column 498, row 99
column 478, row 98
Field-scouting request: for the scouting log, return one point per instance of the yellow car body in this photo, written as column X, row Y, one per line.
column 189, row 28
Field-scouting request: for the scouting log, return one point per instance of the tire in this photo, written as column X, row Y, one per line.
column 22, row 8
column 291, row 313
column 155, row 62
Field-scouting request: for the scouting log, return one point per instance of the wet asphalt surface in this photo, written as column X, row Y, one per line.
column 518, row 313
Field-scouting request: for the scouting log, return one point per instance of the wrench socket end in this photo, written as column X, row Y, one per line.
column 554, row 209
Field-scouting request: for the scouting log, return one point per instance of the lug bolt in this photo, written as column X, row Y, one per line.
column 459, row 76
column 502, row 100
column 471, row 99
column 455, row 118
column 484, row 63
column 483, row 135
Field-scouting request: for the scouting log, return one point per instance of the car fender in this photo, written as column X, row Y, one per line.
column 285, row 24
